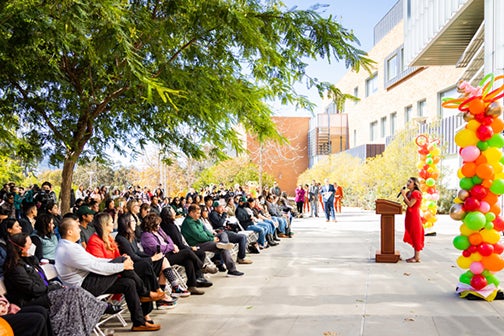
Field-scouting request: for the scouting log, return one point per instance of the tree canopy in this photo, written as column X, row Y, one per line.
column 90, row 75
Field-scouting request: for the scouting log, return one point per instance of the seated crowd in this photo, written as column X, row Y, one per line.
column 124, row 243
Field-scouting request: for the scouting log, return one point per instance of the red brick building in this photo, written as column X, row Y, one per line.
column 284, row 162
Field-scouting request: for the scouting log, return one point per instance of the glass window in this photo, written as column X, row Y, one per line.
column 356, row 93
column 421, row 108
column 383, row 127
column 373, row 130
column 407, row 114
column 392, row 67
column 447, row 112
column 355, row 138
column 371, row 84
column 393, row 120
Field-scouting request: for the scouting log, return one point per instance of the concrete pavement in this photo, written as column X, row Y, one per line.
column 325, row 282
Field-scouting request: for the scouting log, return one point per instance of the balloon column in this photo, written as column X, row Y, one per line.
column 429, row 174
column 481, row 182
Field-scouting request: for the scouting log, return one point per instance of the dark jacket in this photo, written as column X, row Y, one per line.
column 131, row 249
column 243, row 217
column 172, row 230
column 217, row 220
column 25, row 286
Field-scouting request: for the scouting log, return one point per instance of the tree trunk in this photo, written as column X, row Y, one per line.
column 66, row 183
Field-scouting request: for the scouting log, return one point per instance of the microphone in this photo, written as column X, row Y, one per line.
column 400, row 192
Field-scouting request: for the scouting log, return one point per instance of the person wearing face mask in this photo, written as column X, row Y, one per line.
column 27, row 285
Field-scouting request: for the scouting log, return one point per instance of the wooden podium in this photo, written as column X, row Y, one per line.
column 387, row 209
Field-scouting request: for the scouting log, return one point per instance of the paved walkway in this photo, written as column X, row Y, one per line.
column 325, row 282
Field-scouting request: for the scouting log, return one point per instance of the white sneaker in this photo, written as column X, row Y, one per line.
column 225, row 246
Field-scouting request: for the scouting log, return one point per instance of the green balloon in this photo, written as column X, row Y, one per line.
column 490, row 217
column 461, row 242
column 489, row 226
column 497, row 187
column 475, row 220
column 492, row 279
column 466, row 277
column 482, row 145
column 497, row 140
column 466, row 183
column 476, row 180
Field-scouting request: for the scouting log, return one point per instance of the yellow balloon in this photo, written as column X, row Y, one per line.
column 464, row 230
column 498, row 167
column 458, row 200
column 473, row 125
column 499, row 176
column 464, row 262
column 476, row 256
column 459, row 174
column 493, row 154
column 419, row 165
column 466, row 137
column 490, row 236
column 436, row 151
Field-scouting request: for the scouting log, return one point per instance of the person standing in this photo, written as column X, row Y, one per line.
column 299, row 199
column 328, row 199
column 313, row 194
column 414, row 231
column 338, row 197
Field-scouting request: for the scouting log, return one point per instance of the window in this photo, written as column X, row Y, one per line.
column 356, row 93
column 383, row 127
column 421, row 108
column 446, row 112
column 407, row 114
column 354, row 138
column 392, row 67
column 373, row 130
column 331, row 108
column 371, row 84
column 393, row 120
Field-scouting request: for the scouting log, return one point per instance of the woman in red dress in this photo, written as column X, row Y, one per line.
column 414, row 231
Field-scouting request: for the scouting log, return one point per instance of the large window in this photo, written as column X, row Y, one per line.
column 392, row 67
column 383, row 127
column 372, row 84
column 421, row 112
column 354, row 138
column 393, row 121
column 373, row 130
column 356, row 93
column 446, row 112
column 407, row 114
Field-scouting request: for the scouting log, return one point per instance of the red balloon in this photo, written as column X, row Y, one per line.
column 498, row 223
column 480, row 117
column 466, row 253
column 478, row 281
column 498, row 248
column 487, row 121
column 471, row 204
column 479, row 192
column 485, row 249
column 472, row 249
column 484, row 133
column 431, row 190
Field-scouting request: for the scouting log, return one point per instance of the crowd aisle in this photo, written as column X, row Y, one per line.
column 325, row 282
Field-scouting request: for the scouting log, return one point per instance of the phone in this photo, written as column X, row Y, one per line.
column 158, row 249
column 121, row 204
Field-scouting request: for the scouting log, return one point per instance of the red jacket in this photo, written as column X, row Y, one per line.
column 96, row 247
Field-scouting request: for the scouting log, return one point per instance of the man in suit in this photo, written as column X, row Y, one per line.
column 328, row 192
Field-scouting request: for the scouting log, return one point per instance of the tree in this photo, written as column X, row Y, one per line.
column 90, row 75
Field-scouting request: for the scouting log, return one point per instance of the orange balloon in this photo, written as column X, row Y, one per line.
column 493, row 262
column 480, row 160
column 490, row 198
column 475, row 239
column 469, row 169
column 477, row 106
column 485, row 171
column 5, row 328
column 495, row 209
column 487, row 183
column 497, row 125
column 435, row 175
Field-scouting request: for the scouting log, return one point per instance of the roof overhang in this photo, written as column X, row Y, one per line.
column 448, row 46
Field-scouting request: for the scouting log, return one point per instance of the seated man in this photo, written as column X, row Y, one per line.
column 76, row 267
column 218, row 219
column 196, row 234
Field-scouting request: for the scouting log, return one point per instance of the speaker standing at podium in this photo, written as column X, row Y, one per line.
column 414, row 231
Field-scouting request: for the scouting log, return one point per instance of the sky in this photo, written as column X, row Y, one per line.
column 358, row 15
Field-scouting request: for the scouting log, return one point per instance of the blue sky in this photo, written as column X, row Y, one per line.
column 358, row 15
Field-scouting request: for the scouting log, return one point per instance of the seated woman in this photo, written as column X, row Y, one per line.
column 177, row 207
column 102, row 245
column 8, row 227
column 144, row 265
column 27, row 285
column 155, row 240
column 26, row 321
column 44, row 239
